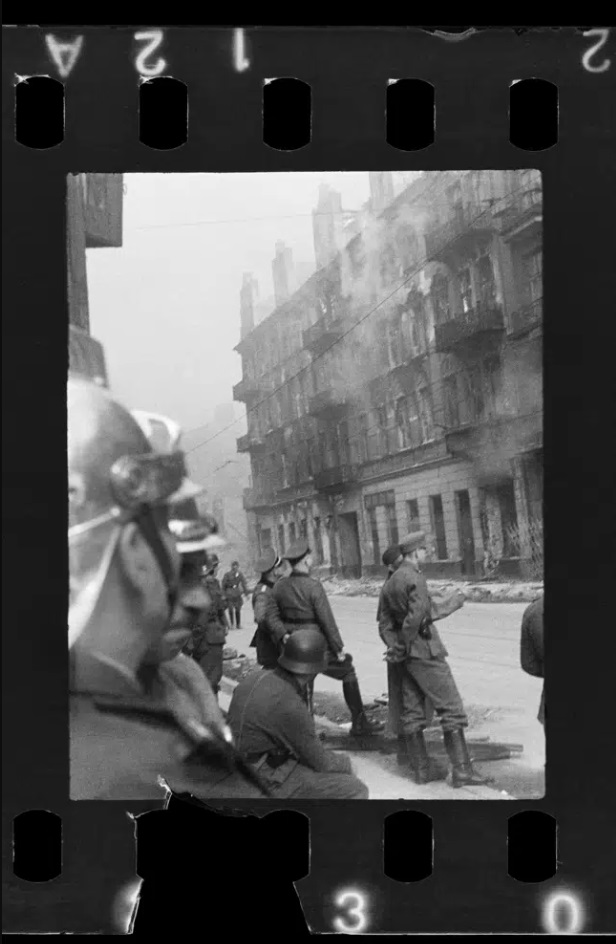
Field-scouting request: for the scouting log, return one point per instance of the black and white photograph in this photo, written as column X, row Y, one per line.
column 305, row 470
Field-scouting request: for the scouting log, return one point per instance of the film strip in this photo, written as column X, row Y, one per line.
column 198, row 100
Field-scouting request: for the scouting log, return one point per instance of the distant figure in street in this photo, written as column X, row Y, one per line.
column 211, row 626
column 299, row 601
column 531, row 647
column 268, row 566
column 275, row 731
column 407, row 615
column 234, row 588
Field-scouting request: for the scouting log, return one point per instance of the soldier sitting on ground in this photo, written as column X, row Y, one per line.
column 299, row 601
column 275, row 731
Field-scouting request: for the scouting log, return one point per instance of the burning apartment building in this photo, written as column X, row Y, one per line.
column 399, row 387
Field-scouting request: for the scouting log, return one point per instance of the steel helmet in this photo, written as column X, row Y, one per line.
column 114, row 477
column 164, row 435
column 304, row 653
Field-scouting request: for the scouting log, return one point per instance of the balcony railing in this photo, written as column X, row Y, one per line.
column 319, row 336
column 477, row 324
column 257, row 498
column 250, row 389
column 250, row 443
column 102, row 196
column 328, row 404
column 522, row 214
column 527, row 317
column 337, row 477
column 467, row 224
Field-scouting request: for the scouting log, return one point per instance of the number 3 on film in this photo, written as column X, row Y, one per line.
column 353, row 904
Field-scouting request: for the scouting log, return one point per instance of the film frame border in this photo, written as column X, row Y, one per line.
column 101, row 134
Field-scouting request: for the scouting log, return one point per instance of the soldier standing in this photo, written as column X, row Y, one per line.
column 263, row 640
column 135, row 715
column 531, row 647
column 299, row 601
column 212, row 626
column 407, row 616
column 234, row 588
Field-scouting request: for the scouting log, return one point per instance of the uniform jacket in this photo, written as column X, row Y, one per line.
column 264, row 639
column 122, row 739
column 531, row 646
column 233, row 586
column 269, row 715
column 300, row 602
column 211, row 625
column 403, row 605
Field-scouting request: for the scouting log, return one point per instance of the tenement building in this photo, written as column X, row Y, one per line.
column 400, row 386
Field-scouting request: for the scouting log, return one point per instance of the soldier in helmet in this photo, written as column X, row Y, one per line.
column 275, row 731
column 300, row 601
column 407, row 615
column 263, row 640
column 136, row 714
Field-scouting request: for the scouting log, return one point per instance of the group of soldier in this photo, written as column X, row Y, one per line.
column 148, row 623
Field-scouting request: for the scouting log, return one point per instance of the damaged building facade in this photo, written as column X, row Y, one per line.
column 399, row 388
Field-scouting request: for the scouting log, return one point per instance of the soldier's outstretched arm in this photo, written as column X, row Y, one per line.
column 325, row 618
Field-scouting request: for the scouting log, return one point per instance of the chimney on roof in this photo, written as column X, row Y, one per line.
column 248, row 296
column 327, row 225
column 283, row 272
column 381, row 189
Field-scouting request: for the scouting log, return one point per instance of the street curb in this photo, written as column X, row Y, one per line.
column 440, row 790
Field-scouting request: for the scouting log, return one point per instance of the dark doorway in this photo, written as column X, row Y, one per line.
column 465, row 532
column 350, row 548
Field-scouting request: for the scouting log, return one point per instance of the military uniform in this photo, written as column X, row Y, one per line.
column 123, row 739
column 263, row 640
column 210, row 633
column 233, row 586
column 531, row 647
column 274, row 730
column 406, row 626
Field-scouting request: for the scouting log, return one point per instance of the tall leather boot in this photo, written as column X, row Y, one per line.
column 361, row 724
column 463, row 774
column 413, row 754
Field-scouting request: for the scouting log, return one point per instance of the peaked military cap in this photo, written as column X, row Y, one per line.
column 297, row 551
column 391, row 555
column 267, row 561
column 412, row 541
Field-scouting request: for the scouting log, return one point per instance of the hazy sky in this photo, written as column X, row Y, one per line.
column 166, row 305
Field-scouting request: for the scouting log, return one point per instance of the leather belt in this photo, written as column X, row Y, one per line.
column 300, row 622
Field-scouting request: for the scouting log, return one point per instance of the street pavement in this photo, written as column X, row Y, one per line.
column 483, row 640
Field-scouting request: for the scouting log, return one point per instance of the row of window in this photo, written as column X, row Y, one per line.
column 413, row 522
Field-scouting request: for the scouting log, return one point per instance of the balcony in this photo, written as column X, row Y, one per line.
column 523, row 215
column 250, row 443
column 257, row 498
column 102, row 197
column 321, row 335
column 328, row 404
column 477, row 327
column 526, row 318
column 493, row 443
column 335, row 478
column 467, row 225
column 404, row 373
column 250, row 388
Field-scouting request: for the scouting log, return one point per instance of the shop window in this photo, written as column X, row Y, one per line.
column 437, row 518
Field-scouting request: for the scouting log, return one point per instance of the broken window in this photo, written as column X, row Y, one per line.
column 452, row 402
column 424, row 403
column 318, row 540
column 440, row 298
column 438, row 526
column 466, row 289
column 485, row 277
column 401, row 423
column 533, row 265
column 412, row 515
